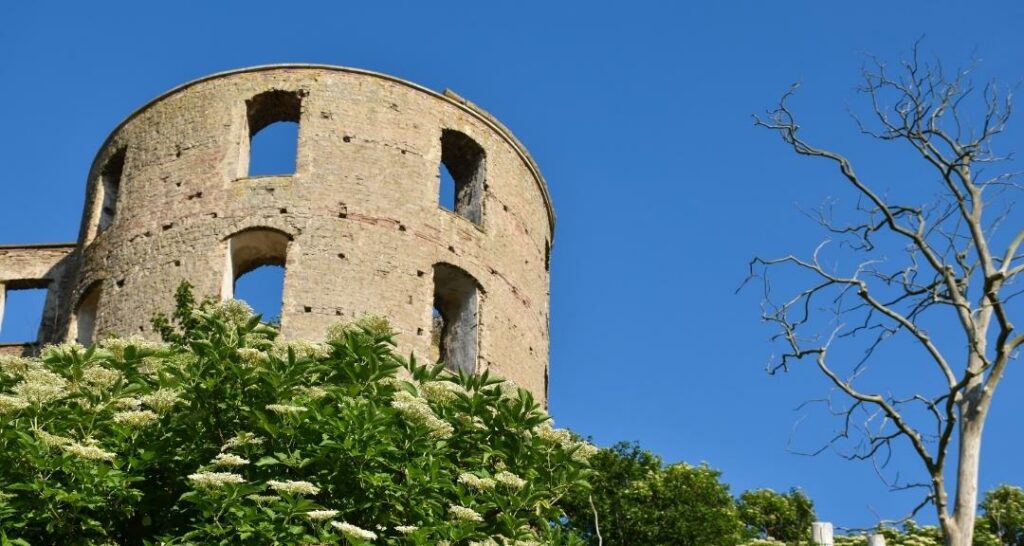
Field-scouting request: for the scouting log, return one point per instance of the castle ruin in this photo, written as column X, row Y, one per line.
column 357, row 227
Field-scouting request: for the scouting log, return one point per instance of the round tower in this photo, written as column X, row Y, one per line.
column 358, row 226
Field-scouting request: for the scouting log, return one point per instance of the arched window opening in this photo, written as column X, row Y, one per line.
column 462, row 174
column 456, row 317
column 84, row 322
column 255, row 270
column 262, row 288
column 21, row 313
column 109, row 187
column 273, row 120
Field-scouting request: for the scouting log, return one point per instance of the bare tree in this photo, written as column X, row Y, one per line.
column 907, row 270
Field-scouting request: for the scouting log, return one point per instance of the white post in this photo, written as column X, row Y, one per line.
column 876, row 540
column 821, row 532
column 3, row 296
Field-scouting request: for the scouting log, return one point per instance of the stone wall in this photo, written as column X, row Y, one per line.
column 357, row 226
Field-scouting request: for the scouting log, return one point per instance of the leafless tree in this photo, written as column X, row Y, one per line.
column 925, row 269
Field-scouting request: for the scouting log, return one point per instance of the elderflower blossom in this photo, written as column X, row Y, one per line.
column 214, row 480
column 232, row 311
column 51, row 440
column 286, row 409
column 242, row 439
column 461, row 513
column 321, row 515
column 15, row 365
column 127, row 403
column 135, row 418
column 406, row 529
column 40, row 386
column 99, row 377
column 416, row 410
column 59, row 350
column 584, row 451
column 11, row 404
column 442, row 392
column 263, row 499
column 476, row 482
column 117, row 346
column 488, row 542
column 251, row 357
column 311, row 393
column 302, row 349
column 509, row 480
column 89, row 452
column 229, row 459
column 559, row 436
column 354, row 532
column 162, row 400
column 293, row 487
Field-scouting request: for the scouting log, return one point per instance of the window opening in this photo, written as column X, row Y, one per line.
column 462, row 161
column 85, row 316
column 256, row 272
column 109, row 187
column 456, row 318
column 262, row 288
column 21, row 314
column 273, row 120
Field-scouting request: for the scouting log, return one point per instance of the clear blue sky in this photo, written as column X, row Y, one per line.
column 638, row 114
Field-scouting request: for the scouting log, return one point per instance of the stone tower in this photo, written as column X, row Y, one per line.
column 358, row 226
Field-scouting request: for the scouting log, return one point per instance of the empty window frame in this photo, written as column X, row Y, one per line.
column 273, row 126
column 456, row 317
column 108, row 187
column 83, row 323
column 21, row 312
column 248, row 251
column 462, row 174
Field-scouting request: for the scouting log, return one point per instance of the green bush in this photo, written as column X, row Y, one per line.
column 784, row 517
column 225, row 435
column 640, row 501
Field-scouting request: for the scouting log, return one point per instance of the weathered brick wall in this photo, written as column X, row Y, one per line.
column 361, row 211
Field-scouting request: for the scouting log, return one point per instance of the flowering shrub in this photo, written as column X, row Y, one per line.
column 225, row 435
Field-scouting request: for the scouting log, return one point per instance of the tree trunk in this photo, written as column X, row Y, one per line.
column 960, row 532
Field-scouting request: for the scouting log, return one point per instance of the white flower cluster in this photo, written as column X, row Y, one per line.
column 461, row 513
column 242, row 439
column 406, row 529
column 135, row 418
column 476, row 482
column 352, row 531
column 11, row 404
column 117, row 346
column 311, row 393
column 321, row 515
column 40, row 386
column 232, row 311
column 229, row 459
column 128, row 403
column 87, row 451
column 510, row 480
column 302, row 349
column 293, row 487
column 215, row 480
column 98, row 378
column 416, row 410
column 51, row 440
column 251, row 357
column 581, row 451
column 286, row 409
column 162, row 400
column 441, row 392
column 15, row 365
column 59, row 350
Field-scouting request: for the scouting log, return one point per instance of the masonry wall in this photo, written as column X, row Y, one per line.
column 361, row 216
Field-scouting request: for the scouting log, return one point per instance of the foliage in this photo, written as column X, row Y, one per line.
column 640, row 501
column 225, row 435
column 786, row 517
column 1003, row 514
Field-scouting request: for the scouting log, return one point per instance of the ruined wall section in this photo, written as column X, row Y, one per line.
column 35, row 266
column 361, row 213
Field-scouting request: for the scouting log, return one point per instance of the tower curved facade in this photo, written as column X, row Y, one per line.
column 358, row 226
